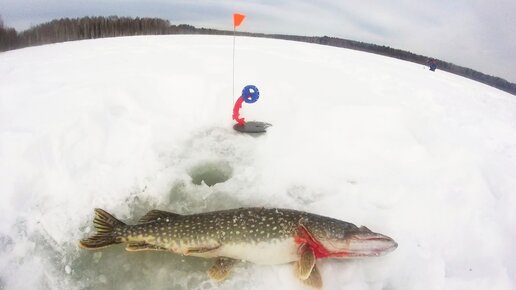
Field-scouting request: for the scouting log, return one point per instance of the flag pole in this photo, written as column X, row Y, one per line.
column 237, row 20
column 233, row 90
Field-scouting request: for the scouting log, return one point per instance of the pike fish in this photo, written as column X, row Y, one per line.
column 258, row 235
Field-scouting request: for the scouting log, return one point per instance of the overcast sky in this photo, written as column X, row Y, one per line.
column 480, row 34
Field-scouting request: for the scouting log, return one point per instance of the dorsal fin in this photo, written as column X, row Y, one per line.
column 155, row 215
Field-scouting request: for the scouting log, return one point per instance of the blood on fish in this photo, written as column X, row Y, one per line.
column 304, row 237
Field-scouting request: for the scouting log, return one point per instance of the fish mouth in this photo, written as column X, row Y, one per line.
column 362, row 244
column 370, row 245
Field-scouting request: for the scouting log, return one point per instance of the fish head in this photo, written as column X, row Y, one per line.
column 345, row 240
column 362, row 243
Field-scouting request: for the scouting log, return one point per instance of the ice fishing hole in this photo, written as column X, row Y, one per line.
column 211, row 172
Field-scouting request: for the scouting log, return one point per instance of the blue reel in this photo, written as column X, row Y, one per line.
column 250, row 94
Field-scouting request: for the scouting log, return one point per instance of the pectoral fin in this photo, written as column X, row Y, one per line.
column 306, row 262
column 221, row 269
column 314, row 280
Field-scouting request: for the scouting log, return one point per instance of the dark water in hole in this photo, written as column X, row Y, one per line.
column 211, row 172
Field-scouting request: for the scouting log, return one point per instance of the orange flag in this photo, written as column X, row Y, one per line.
column 237, row 19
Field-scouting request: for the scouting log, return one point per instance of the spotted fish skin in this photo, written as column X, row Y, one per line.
column 258, row 235
column 229, row 233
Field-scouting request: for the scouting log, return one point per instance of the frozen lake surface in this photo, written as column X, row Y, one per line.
column 133, row 124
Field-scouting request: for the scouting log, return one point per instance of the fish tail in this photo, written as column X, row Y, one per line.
column 106, row 226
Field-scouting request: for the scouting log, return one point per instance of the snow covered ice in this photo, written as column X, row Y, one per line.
column 126, row 124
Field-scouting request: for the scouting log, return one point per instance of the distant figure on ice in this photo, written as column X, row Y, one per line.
column 432, row 64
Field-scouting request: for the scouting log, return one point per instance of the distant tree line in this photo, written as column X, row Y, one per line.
column 8, row 37
column 69, row 29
